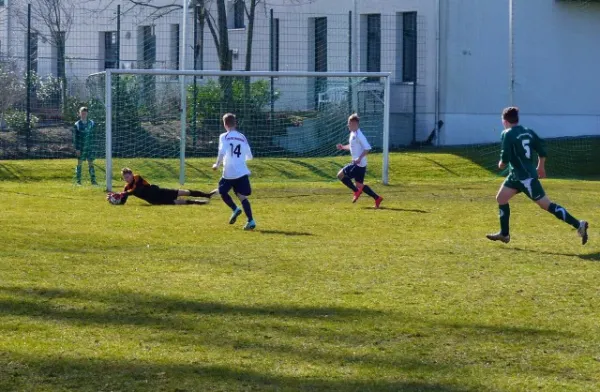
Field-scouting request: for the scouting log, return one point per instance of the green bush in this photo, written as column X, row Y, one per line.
column 250, row 102
column 211, row 104
column 47, row 89
column 16, row 120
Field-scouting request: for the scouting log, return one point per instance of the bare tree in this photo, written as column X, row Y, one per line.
column 57, row 17
column 225, row 56
column 213, row 14
column 215, row 20
column 251, row 14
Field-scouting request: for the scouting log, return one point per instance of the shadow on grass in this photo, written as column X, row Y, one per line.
column 307, row 191
column 438, row 164
column 45, row 196
column 286, row 196
column 200, row 172
column 595, row 256
column 100, row 169
column 306, row 335
column 416, row 211
column 590, row 256
column 133, row 308
column 313, row 169
column 144, row 203
column 140, row 309
column 87, row 374
column 585, row 164
column 8, row 173
column 282, row 171
column 508, row 330
column 89, row 249
column 485, row 156
column 285, row 233
column 159, row 168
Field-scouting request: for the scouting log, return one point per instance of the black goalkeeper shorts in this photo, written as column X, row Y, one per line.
column 159, row 196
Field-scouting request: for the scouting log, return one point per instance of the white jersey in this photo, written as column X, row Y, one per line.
column 358, row 144
column 235, row 150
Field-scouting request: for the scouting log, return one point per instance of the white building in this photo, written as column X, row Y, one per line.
column 468, row 63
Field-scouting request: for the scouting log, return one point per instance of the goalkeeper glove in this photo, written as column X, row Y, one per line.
column 116, row 198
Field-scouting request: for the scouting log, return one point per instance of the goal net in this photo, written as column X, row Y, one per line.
column 293, row 120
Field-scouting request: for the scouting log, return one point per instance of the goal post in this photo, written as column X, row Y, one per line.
column 289, row 114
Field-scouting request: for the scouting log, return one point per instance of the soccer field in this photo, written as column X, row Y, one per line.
column 324, row 295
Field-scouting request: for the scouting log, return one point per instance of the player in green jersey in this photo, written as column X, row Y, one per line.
column 83, row 140
column 518, row 143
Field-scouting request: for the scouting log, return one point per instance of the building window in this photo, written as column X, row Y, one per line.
column 33, row 50
column 321, row 44
column 147, row 46
column 275, row 65
column 59, row 53
column 374, row 43
column 320, row 64
column 111, row 50
column 174, row 46
column 238, row 17
column 236, row 12
column 409, row 47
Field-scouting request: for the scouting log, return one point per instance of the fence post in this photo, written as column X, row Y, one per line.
column 108, row 126
column 272, row 62
column 28, row 83
column 511, row 53
column 201, row 21
column 415, row 86
column 118, row 36
column 414, row 119
column 350, row 92
column 115, row 125
column 386, row 130
column 182, row 66
column 195, row 89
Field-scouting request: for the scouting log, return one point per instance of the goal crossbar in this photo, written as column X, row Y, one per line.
column 386, row 76
column 274, row 74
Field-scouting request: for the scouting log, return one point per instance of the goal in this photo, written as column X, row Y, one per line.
column 169, row 118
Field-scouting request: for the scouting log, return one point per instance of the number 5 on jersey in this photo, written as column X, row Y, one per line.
column 527, row 148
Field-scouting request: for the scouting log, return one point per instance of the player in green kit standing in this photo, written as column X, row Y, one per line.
column 83, row 139
column 518, row 143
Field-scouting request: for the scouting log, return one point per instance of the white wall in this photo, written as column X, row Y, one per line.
column 558, row 67
column 556, row 61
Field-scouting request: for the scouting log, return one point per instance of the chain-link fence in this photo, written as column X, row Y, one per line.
column 45, row 60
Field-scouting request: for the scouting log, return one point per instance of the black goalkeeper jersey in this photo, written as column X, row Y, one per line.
column 153, row 194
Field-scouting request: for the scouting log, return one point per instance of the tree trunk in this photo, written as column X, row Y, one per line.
column 248, row 67
column 199, row 46
column 250, row 36
column 199, row 21
column 62, row 69
column 224, row 56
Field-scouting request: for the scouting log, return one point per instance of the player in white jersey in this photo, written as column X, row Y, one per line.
column 234, row 151
column 359, row 147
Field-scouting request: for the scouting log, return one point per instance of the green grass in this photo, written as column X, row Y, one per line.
column 325, row 295
column 413, row 165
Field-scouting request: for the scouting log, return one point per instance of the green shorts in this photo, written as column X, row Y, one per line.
column 87, row 155
column 532, row 187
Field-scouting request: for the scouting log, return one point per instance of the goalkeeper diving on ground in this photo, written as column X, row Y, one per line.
column 153, row 194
